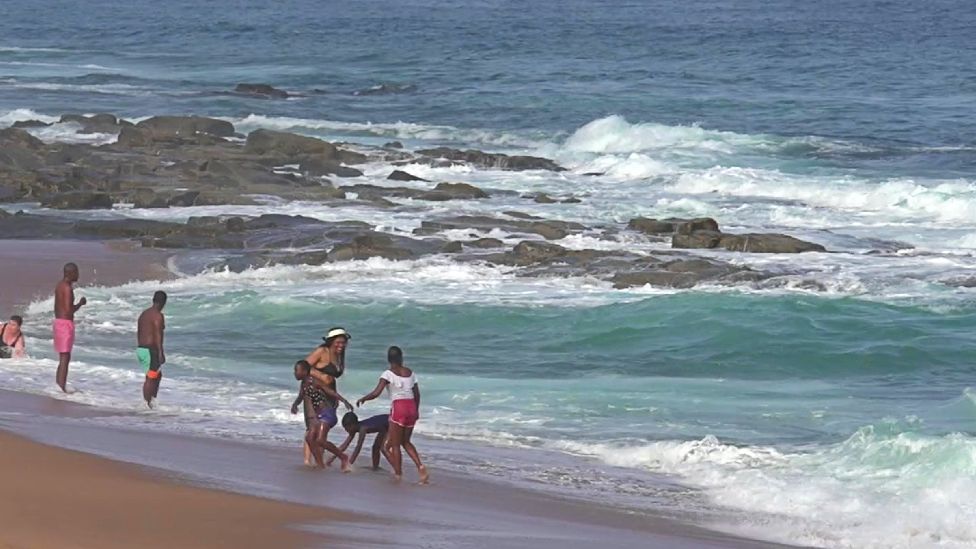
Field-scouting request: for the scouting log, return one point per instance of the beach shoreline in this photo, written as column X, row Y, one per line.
column 267, row 489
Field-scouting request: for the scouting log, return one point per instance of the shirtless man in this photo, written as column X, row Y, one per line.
column 64, row 321
column 150, row 352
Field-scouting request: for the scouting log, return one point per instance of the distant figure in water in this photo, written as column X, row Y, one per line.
column 404, row 391
column 12, row 339
column 323, row 400
column 150, row 351
column 378, row 425
column 64, row 321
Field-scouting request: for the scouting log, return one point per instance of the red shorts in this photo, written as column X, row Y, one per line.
column 404, row 412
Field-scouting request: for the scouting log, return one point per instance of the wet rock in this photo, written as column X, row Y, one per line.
column 454, row 247
column 454, row 191
column 126, row 228
column 400, row 175
column 543, row 198
column 484, row 243
column 492, row 161
column 30, row 124
column 78, row 200
column 672, row 225
column 317, row 166
column 530, row 251
column 169, row 127
column 548, row 229
column 15, row 137
column 261, row 90
column 571, row 200
column 131, row 137
column 268, row 142
column 768, row 244
column 367, row 246
column 665, row 279
column 393, row 145
column 696, row 240
column 96, row 123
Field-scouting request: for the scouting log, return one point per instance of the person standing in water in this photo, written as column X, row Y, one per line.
column 404, row 390
column 64, row 321
column 150, row 351
column 12, row 339
column 323, row 400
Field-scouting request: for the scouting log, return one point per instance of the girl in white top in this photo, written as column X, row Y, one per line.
column 404, row 391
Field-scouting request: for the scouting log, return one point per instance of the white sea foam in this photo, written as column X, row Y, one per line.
column 398, row 130
column 16, row 115
column 875, row 490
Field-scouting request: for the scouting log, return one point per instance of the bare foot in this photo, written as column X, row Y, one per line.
column 424, row 475
column 397, row 478
column 346, row 468
column 150, row 404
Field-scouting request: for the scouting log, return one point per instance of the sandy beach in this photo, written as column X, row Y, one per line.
column 60, row 498
column 200, row 493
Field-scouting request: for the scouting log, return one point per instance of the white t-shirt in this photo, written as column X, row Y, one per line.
column 400, row 388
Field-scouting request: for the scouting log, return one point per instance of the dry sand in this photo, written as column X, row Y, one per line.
column 53, row 497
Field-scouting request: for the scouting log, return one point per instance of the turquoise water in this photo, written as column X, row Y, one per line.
column 830, row 406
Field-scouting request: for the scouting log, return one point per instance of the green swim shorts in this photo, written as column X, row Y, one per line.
column 145, row 358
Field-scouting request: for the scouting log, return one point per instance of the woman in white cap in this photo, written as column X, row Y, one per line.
column 328, row 362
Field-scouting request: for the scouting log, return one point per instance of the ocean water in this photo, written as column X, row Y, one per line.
column 831, row 406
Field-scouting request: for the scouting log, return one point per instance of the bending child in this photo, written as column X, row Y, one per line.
column 378, row 425
column 404, row 411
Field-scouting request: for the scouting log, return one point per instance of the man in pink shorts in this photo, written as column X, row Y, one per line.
column 64, row 321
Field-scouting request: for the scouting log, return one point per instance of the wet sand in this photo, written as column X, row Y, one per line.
column 106, row 501
column 30, row 269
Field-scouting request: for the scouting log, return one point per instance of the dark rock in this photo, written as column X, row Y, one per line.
column 485, row 243
column 399, row 175
column 494, row 161
column 261, row 90
column 453, row 247
column 263, row 142
column 767, row 244
column 454, row 191
column 369, row 245
column 571, row 200
column 15, row 137
column 531, row 251
column 665, row 279
column 318, row 166
column 543, row 198
column 698, row 239
column 548, row 229
column 393, row 145
column 29, row 124
column 168, row 127
column 184, row 200
column 78, row 200
column 126, row 228
column 521, row 215
column 96, row 123
column 688, row 226
column 131, row 136
column 672, row 225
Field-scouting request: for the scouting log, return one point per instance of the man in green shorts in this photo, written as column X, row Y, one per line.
column 150, row 350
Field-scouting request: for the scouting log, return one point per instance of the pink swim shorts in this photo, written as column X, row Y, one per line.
column 404, row 412
column 64, row 335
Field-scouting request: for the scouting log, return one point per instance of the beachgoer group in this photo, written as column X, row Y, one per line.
column 317, row 374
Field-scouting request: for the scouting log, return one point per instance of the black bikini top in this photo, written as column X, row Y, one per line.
column 332, row 370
